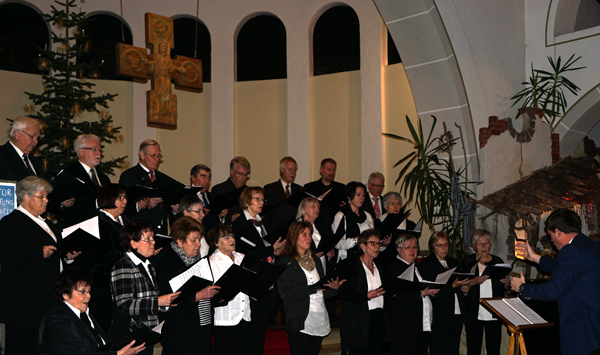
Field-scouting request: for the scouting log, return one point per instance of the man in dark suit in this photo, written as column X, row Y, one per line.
column 277, row 192
column 574, row 282
column 374, row 202
column 16, row 163
column 84, row 172
column 146, row 174
column 239, row 174
column 200, row 176
column 324, row 184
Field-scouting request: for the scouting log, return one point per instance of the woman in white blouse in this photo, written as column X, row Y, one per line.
column 352, row 219
column 307, row 321
column 232, row 321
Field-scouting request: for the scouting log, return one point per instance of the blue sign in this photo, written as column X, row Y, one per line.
column 8, row 198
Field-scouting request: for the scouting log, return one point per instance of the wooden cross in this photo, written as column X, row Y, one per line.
column 161, row 104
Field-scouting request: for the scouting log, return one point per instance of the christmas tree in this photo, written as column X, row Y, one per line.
column 68, row 94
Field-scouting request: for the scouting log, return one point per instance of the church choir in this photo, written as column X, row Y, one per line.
column 301, row 244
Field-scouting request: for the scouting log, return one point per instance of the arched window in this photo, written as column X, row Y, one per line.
column 261, row 49
column 336, row 41
column 23, row 36
column 393, row 56
column 185, row 36
column 104, row 31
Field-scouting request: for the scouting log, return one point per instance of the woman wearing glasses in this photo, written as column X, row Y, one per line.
column 134, row 284
column 476, row 317
column 447, row 323
column 409, row 307
column 232, row 327
column 30, row 265
column 363, row 324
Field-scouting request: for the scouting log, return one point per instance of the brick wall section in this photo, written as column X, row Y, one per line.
column 555, row 147
column 495, row 127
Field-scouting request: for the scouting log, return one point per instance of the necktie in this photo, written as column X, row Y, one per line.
column 94, row 177
column 88, row 324
column 376, row 208
column 287, row 191
column 204, row 199
column 27, row 165
column 152, row 178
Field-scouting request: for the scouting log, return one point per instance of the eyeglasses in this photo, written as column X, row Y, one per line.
column 227, row 236
column 37, row 138
column 482, row 244
column 121, row 197
column 83, row 292
column 198, row 211
column 444, row 245
column 94, row 149
column 43, row 198
column 259, row 199
column 378, row 186
column 410, row 248
column 154, row 156
column 149, row 240
column 374, row 243
column 247, row 176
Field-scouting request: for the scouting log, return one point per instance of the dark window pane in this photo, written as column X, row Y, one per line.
column 261, row 49
column 336, row 41
column 104, row 32
column 392, row 52
column 185, row 29
column 23, row 36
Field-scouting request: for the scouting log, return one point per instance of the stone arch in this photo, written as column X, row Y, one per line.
column 580, row 120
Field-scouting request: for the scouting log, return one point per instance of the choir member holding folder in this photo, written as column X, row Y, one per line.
column 188, row 326
column 232, row 322
column 134, row 284
column 475, row 316
column 447, row 324
column 303, row 296
column 68, row 328
column 408, row 304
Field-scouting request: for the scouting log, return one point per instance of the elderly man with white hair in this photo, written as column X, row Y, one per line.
column 16, row 161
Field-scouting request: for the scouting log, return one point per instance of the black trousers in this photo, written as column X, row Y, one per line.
column 493, row 334
column 304, row 344
column 21, row 340
column 376, row 335
column 409, row 343
column 446, row 335
column 256, row 333
column 232, row 340
column 200, row 343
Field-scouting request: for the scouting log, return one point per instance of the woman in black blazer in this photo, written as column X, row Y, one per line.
column 362, row 327
column 447, row 323
column 307, row 321
column 112, row 200
column 30, row 265
column 249, row 233
column 188, row 326
column 475, row 316
column 68, row 328
column 408, row 306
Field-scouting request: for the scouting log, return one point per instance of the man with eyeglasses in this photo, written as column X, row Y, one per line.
column 373, row 202
column 278, row 191
column 239, row 174
column 84, row 174
column 16, row 160
column 146, row 174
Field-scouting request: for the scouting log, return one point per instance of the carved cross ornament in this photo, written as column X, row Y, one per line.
column 161, row 104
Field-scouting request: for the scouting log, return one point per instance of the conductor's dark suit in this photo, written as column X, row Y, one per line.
column 12, row 166
column 575, row 283
column 63, row 332
column 157, row 215
column 283, row 212
column 27, row 278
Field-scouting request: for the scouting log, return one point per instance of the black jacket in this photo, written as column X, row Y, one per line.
column 443, row 302
column 12, row 166
column 402, row 300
